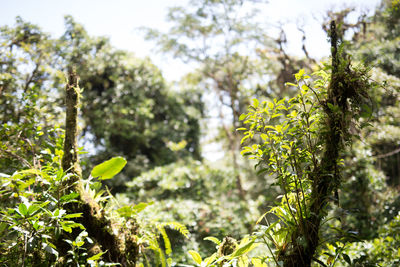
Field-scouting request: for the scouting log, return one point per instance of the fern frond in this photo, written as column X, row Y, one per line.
column 178, row 227
column 167, row 242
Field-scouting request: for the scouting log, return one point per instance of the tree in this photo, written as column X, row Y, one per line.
column 129, row 109
column 304, row 150
column 27, row 62
column 221, row 37
column 121, row 248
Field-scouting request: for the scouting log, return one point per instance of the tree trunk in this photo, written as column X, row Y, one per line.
column 118, row 241
column 326, row 178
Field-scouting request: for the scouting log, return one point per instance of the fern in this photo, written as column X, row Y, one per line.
column 167, row 242
column 154, row 245
column 178, row 227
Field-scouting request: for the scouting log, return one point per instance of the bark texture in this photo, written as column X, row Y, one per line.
column 118, row 240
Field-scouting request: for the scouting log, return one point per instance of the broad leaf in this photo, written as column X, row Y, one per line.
column 109, row 168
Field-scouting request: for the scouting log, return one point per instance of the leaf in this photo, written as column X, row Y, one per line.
column 210, row 259
column 33, row 208
column 213, row 239
column 141, row 206
column 261, row 171
column 245, row 248
column 69, row 197
column 258, row 262
column 30, row 171
column 23, row 210
column 178, row 227
column 242, row 117
column 129, row 211
column 125, row 211
column 66, row 228
column 73, row 215
column 261, row 217
column 255, row 103
column 49, row 248
column 347, row 258
column 96, row 257
column 196, row 256
column 276, row 115
column 244, row 138
column 167, row 242
column 269, row 127
column 291, row 84
column 109, row 168
column 264, row 137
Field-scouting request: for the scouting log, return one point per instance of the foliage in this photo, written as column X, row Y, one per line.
column 294, row 138
column 196, row 195
column 334, row 216
column 25, row 61
column 35, row 216
column 129, row 109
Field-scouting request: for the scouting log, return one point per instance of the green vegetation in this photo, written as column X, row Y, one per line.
column 311, row 174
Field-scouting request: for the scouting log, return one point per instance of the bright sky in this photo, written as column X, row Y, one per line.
column 119, row 19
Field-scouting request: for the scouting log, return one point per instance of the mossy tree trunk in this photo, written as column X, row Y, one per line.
column 326, row 178
column 117, row 240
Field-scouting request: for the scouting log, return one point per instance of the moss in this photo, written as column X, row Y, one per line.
column 227, row 246
column 347, row 90
column 120, row 243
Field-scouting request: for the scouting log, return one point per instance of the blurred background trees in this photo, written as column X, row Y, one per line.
column 130, row 110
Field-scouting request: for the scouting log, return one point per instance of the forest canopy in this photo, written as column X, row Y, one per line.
column 101, row 158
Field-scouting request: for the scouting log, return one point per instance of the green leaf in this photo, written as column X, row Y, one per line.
column 33, row 208
column 244, row 249
column 291, row 84
column 129, row 211
column 96, row 257
column 50, row 249
column 109, row 168
column 73, row 215
column 257, row 262
column 69, row 197
column 167, row 242
column 23, row 210
column 276, row 115
column 141, row 206
column 261, row 171
column 66, row 228
column 255, row 103
column 244, row 138
column 213, row 239
column 210, row 259
column 196, row 256
column 178, row 227
column 125, row 211
column 347, row 258
column 169, row 261
column 242, row 117
column 261, row 217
